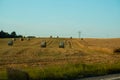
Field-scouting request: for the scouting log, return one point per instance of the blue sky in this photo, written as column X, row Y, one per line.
column 65, row 18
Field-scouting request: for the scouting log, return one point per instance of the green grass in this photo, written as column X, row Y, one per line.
column 3, row 74
column 68, row 71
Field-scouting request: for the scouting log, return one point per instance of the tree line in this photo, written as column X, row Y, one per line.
column 7, row 35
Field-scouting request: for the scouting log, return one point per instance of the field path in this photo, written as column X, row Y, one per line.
column 106, row 77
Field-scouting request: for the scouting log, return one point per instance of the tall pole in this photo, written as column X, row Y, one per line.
column 79, row 34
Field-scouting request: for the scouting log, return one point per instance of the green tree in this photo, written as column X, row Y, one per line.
column 13, row 34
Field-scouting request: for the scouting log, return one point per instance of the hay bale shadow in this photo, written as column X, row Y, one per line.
column 15, row 74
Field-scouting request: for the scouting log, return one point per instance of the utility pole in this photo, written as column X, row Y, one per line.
column 79, row 34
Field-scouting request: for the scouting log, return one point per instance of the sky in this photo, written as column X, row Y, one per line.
column 64, row 18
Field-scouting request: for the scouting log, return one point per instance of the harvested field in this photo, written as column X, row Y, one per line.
column 29, row 54
column 87, row 50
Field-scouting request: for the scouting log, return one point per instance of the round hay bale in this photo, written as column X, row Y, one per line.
column 13, row 39
column 10, row 43
column 81, row 38
column 117, row 50
column 28, row 39
column 61, row 45
column 21, row 39
column 43, row 44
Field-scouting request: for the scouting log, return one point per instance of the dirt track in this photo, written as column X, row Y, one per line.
column 106, row 77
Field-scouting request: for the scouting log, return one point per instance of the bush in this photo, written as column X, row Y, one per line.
column 14, row 74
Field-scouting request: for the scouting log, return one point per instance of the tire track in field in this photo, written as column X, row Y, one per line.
column 54, row 43
column 78, row 42
column 74, row 44
column 22, row 51
column 6, row 52
column 68, row 44
column 49, row 42
column 12, row 54
column 35, row 43
column 83, row 43
column 38, row 42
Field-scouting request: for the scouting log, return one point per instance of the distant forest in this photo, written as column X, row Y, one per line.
column 7, row 35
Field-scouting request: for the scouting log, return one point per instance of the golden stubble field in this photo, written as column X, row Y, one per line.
column 26, row 53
